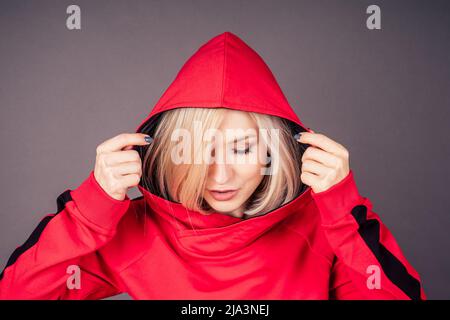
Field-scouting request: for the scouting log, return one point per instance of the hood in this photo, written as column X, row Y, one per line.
column 223, row 72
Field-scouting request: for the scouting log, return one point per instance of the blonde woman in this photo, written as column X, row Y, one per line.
column 236, row 204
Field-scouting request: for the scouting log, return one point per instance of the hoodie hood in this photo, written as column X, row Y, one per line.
column 223, row 73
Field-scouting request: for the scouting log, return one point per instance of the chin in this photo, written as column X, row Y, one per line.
column 223, row 208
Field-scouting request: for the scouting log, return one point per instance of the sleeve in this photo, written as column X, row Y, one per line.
column 61, row 259
column 368, row 261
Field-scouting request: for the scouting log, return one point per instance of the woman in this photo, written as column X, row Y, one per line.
column 281, row 218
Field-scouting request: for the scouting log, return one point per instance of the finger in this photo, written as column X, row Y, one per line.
column 314, row 167
column 309, row 179
column 121, row 141
column 127, row 168
column 117, row 157
column 323, row 142
column 321, row 156
column 130, row 180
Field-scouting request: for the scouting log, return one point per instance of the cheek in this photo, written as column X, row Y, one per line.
column 249, row 174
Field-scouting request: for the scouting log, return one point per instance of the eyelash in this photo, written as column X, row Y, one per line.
column 246, row 151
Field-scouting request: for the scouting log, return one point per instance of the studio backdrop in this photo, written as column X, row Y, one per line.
column 371, row 75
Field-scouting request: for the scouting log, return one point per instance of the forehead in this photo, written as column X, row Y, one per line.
column 234, row 119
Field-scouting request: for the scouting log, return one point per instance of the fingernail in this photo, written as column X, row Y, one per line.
column 297, row 135
column 148, row 139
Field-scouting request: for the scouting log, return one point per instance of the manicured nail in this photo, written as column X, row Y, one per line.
column 297, row 135
column 148, row 139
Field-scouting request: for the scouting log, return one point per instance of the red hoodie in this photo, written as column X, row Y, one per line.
column 326, row 245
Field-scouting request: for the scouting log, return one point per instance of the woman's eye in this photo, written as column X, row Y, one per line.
column 243, row 151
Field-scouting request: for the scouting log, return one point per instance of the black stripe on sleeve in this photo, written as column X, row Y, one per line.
column 61, row 201
column 392, row 267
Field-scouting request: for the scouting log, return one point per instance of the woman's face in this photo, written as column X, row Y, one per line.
column 241, row 171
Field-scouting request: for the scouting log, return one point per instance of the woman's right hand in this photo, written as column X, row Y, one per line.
column 117, row 166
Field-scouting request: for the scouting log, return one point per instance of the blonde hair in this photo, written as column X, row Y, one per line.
column 185, row 183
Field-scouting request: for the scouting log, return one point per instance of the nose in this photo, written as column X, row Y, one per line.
column 220, row 172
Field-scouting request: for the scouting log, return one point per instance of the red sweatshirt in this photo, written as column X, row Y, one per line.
column 326, row 245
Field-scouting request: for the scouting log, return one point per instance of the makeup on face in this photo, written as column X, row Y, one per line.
column 223, row 195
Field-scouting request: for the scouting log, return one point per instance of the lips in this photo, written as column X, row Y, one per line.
column 223, row 195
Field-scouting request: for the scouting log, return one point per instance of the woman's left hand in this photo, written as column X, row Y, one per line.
column 324, row 163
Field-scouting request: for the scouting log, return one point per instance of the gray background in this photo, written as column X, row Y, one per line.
column 384, row 94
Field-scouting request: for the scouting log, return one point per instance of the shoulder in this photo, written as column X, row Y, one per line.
column 305, row 222
column 133, row 236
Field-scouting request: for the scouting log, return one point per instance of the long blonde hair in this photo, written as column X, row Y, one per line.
column 185, row 183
